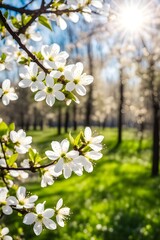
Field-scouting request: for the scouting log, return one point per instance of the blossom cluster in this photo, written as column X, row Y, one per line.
column 18, row 158
column 62, row 82
column 34, row 214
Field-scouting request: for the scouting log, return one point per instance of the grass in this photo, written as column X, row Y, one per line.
column 118, row 201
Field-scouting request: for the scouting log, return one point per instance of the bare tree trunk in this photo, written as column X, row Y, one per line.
column 74, row 117
column 156, row 138
column 120, row 109
column 156, row 119
column 35, row 123
column 66, row 124
column 89, row 105
column 59, row 126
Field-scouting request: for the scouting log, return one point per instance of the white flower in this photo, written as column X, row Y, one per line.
column 93, row 142
column 6, row 64
column 61, row 213
column 21, row 142
column 20, row 174
column 76, row 79
column 50, row 92
column 39, row 218
column 3, row 233
column 66, row 160
column 31, row 77
column 31, row 34
column 3, row 162
column 85, row 160
column 23, row 201
column 6, row 202
column 52, row 55
column 48, row 176
column 7, row 92
column 25, row 163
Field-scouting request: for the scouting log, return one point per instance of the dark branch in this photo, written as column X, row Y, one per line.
column 18, row 40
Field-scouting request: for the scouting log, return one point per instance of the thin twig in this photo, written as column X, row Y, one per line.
column 18, row 40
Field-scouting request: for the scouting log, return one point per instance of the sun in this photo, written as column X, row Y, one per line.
column 133, row 20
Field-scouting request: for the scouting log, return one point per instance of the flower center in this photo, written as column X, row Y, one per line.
column 49, row 90
column 76, row 81
column 33, row 79
column 40, row 216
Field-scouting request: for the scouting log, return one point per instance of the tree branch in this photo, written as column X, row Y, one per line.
column 18, row 40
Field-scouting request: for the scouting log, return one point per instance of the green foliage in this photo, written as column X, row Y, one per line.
column 118, row 201
column 45, row 22
column 3, row 129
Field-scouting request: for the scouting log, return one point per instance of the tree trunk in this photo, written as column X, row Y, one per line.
column 120, row 109
column 35, row 119
column 59, row 126
column 74, row 117
column 156, row 118
column 66, row 124
column 155, row 146
column 89, row 105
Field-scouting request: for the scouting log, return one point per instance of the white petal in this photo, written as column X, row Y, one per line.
column 72, row 154
column 4, row 231
column 40, row 96
column 29, row 218
column 7, row 210
column 65, row 145
column 59, row 204
column 52, row 155
column 67, row 171
column 94, row 155
column 40, row 208
column 25, row 83
column 87, row 134
column 49, row 81
column 78, row 70
column 49, row 224
column 96, row 147
column 37, row 228
column 5, row 100
column 6, row 84
column 64, row 211
column 70, row 86
column 56, row 147
column 21, row 193
column 33, row 198
column 59, row 165
column 59, row 220
column 80, row 89
column 86, row 79
column 50, row 100
column 33, row 67
column 48, row 213
column 61, row 22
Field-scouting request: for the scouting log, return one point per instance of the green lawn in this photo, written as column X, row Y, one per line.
column 118, row 201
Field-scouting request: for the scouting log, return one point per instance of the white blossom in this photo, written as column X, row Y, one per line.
column 52, row 55
column 23, row 201
column 93, row 142
column 76, row 79
column 61, row 212
column 50, row 92
column 30, row 33
column 3, row 234
column 39, row 218
column 7, row 93
column 48, row 176
column 31, row 77
column 66, row 160
column 6, row 202
column 21, row 142
column 6, row 64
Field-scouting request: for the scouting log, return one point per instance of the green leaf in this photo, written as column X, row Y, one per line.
column 6, row 14
column 71, row 139
column 31, row 154
column 3, row 57
column 45, row 22
column 12, row 159
column 11, row 127
column 3, row 129
column 78, row 138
